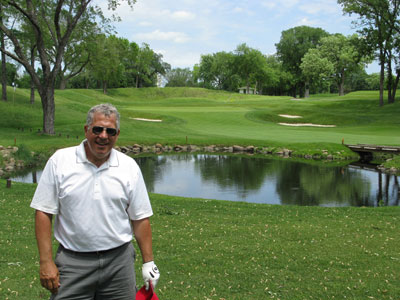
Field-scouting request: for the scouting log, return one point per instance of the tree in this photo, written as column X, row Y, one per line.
column 57, row 18
column 130, row 61
column 149, row 65
column 250, row 65
column 336, row 57
column 293, row 45
column 377, row 20
column 217, row 71
column 205, row 72
column 315, row 67
column 106, row 65
column 179, row 77
column 279, row 80
column 228, row 70
column 28, row 44
column 3, row 60
column 11, row 71
column 81, row 45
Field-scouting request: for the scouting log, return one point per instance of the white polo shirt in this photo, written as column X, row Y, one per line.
column 93, row 206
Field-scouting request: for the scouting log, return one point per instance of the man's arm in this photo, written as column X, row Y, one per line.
column 142, row 232
column 49, row 276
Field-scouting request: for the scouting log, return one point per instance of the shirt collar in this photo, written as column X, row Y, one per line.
column 82, row 158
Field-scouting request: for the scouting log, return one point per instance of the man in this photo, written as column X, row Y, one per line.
column 100, row 201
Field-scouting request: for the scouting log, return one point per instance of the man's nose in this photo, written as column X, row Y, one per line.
column 103, row 134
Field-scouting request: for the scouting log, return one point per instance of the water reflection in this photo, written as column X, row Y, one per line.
column 312, row 185
column 263, row 180
column 28, row 177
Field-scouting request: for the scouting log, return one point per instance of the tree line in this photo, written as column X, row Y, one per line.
column 307, row 60
column 63, row 44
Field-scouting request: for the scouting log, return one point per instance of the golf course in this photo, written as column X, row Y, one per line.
column 213, row 249
column 205, row 117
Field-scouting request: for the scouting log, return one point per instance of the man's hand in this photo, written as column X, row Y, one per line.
column 49, row 276
column 151, row 274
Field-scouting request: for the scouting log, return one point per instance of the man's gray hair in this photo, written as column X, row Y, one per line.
column 106, row 109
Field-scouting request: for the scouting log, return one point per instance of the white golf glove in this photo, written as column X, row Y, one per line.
column 150, row 273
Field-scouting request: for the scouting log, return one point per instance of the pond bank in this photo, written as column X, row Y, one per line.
column 237, row 149
column 391, row 165
column 10, row 163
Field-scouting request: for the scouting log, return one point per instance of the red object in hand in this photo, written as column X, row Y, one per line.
column 142, row 294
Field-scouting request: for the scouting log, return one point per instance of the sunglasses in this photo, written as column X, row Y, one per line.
column 97, row 130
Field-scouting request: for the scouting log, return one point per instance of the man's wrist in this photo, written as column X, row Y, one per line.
column 45, row 260
column 148, row 261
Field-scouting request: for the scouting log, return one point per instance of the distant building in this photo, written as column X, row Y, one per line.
column 243, row 90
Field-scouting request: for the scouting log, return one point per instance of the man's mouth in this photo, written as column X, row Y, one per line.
column 102, row 144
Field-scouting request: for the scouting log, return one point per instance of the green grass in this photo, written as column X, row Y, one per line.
column 207, row 117
column 210, row 249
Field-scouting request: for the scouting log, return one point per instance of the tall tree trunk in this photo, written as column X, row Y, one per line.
column 3, row 62
column 48, row 106
column 104, row 87
column 395, row 85
column 294, row 91
column 307, row 92
column 301, row 89
column 3, row 73
column 382, row 77
column 390, row 76
column 32, row 99
column 63, row 83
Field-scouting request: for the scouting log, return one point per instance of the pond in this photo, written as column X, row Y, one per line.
column 264, row 180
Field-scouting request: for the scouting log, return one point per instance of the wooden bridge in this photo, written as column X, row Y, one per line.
column 365, row 151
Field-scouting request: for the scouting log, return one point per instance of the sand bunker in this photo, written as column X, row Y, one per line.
column 305, row 124
column 146, row 120
column 290, row 116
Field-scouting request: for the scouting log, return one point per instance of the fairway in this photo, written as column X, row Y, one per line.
column 200, row 116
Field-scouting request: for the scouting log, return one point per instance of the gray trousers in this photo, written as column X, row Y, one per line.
column 104, row 275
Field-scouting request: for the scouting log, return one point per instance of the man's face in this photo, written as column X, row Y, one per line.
column 99, row 145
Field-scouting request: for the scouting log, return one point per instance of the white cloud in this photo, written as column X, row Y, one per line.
column 157, row 35
column 306, row 22
column 182, row 15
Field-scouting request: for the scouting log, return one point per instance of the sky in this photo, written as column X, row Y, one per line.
column 183, row 30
